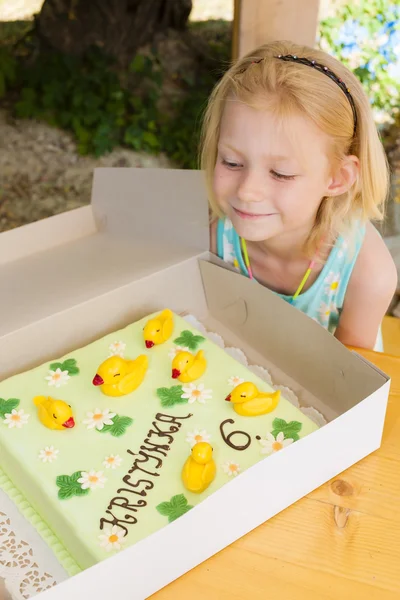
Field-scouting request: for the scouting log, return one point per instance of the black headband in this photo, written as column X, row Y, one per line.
column 330, row 74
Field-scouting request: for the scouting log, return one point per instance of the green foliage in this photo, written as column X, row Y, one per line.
column 373, row 25
column 92, row 97
column 8, row 66
column 80, row 94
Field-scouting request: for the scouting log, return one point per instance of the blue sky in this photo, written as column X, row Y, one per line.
column 389, row 39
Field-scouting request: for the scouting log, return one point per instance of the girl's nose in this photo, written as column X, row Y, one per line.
column 252, row 188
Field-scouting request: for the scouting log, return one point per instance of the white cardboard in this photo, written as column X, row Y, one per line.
column 142, row 246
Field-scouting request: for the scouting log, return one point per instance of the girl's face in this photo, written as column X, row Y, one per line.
column 263, row 184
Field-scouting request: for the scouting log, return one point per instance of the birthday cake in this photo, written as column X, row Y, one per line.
column 112, row 442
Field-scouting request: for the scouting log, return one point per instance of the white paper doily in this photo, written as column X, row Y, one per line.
column 27, row 565
column 261, row 372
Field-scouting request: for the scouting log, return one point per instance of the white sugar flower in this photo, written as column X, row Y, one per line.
column 175, row 350
column 197, row 393
column 231, row 468
column 112, row 538
column 16, row 418
column 271, row 444
column 48, row 454
column 112, row 462
column 57, row 377
column 196, row 436
column 92, row 480
column 117, row 348
column 99, row 418
column 235, row 380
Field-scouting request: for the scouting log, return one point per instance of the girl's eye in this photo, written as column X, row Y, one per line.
column 282, row 176
column 230, row 164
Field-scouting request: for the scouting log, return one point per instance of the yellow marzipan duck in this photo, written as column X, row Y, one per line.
column 159, row 329
column 249, row 402
column 117, row 376
column 186, row 367
column 199, row 469
column 54, row 414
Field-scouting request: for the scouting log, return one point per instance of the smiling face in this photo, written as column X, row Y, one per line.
column 266, row 181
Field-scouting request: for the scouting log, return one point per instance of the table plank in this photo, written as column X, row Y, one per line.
column 391, row 334
column 340, row 541
column 373, row 485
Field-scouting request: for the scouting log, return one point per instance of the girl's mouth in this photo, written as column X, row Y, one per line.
column 251, row 216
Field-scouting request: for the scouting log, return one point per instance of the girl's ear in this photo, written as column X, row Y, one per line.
column 344, row 177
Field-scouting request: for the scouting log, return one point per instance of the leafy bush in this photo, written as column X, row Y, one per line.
column 364, row 36
column 87, row 96
column 90, row 97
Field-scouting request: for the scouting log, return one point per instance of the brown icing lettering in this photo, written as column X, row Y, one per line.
column 126, row 479
column 171, row 419
column 128, row 491
column 162, row 449
column 146, row 457
column 143, row 456
column 157, row 431
column 130, row 519
column 124, row 503
column 227, row 438
column 136, row 467
column 113, row 522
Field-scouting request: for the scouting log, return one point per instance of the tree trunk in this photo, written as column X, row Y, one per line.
column 119, row 27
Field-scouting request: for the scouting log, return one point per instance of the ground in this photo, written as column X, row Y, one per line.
column 41, row 171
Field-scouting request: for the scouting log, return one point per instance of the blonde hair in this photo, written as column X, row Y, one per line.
column 288, row 87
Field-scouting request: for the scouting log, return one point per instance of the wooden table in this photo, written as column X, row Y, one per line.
column 342, row 541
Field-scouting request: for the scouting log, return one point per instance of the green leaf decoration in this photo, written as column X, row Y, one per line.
column 68, row 365
column 289, row 430
column 69, row 486
column 171, row 396
column 119, row 426
column 78, row 491
column 164, row 509
column 75, row 476
column 189, row 340
column 6, row 406
column 175, row 508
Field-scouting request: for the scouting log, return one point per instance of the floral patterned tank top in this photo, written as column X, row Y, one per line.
column 323, row 301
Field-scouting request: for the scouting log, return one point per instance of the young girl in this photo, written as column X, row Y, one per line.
column 295, row 171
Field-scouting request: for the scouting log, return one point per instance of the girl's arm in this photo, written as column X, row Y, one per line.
column 370, row 291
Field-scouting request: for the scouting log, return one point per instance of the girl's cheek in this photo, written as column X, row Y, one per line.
column 223, row 178
column 220, row 181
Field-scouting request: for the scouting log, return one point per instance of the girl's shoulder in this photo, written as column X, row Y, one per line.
column 374, row 273
column 370, row 291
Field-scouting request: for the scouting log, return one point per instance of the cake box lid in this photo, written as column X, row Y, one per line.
column 140, row 221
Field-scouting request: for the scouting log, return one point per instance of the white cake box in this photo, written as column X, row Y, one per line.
column 141, row 246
